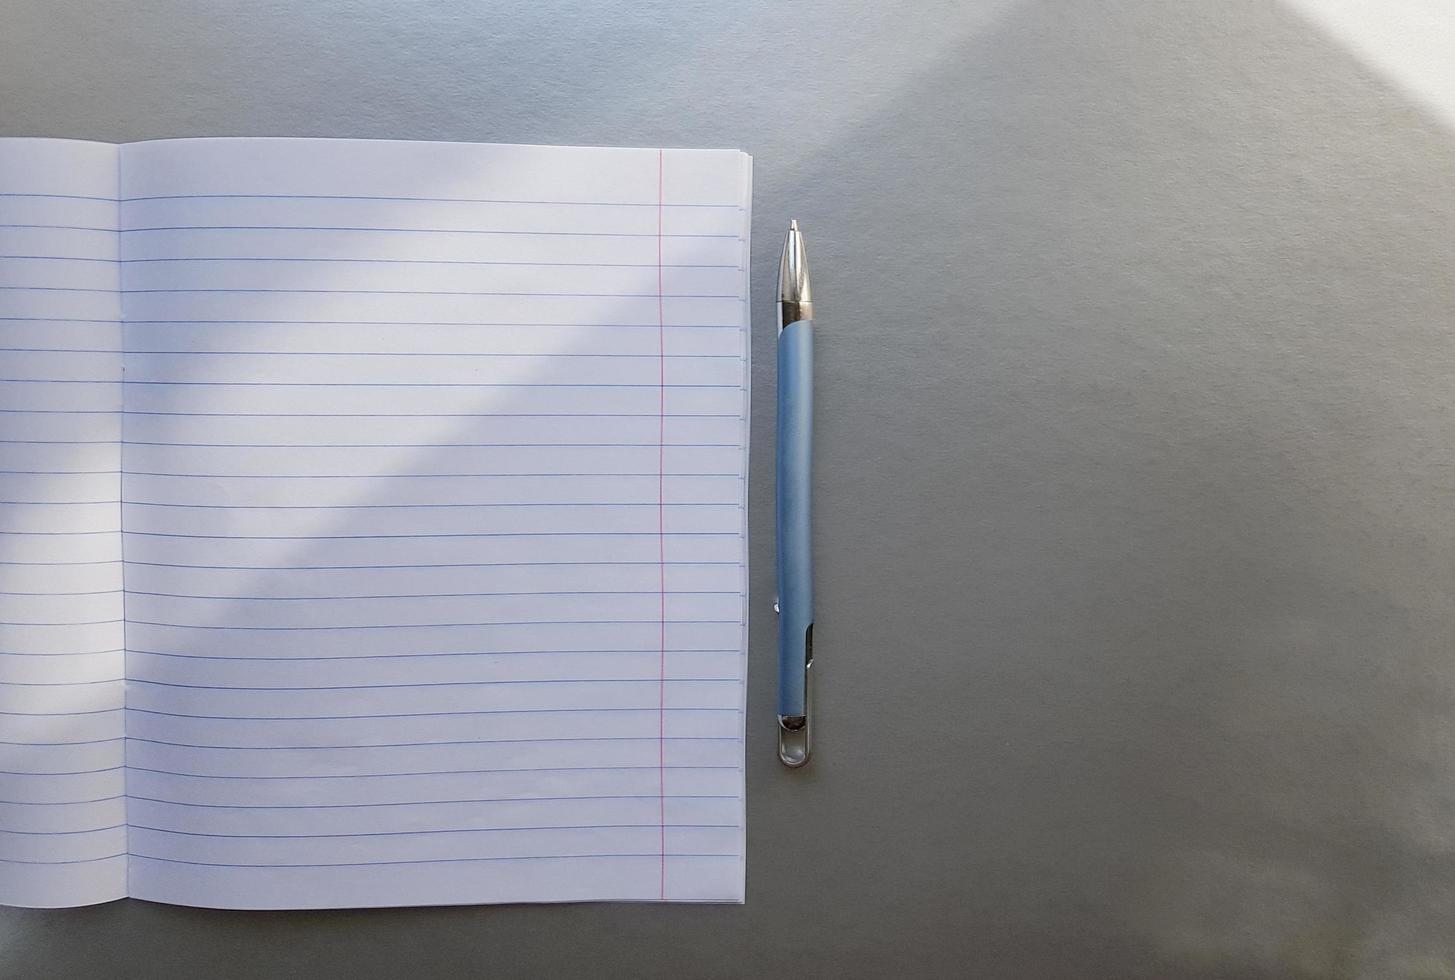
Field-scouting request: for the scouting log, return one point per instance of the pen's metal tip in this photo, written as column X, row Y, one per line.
column 795, row 302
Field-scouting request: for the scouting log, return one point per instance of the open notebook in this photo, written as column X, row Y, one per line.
column 373, row 523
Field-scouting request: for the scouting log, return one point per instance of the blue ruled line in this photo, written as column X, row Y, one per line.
column 383, row 323
column 60, row 534
column 99, row 799
column 406, row 231
column 54, row 503
column 377, row 292
column 56, row 289
column 402, row 656
column 510, row 503
column 109, row 680
column 70, row 258
column 385, row 537
column 354, row 806
column 373, row 261
column 654, row 855
column 59, row 197
column 487, row 564
column 406, row 595
column 109, row 231
column 353, row 353
column 376, row 415
column 58, row 319
column 69, row 772
column 414, row 714
column 381, row 476
column 93, row 741
column 64, row 833
column 349, row 384
column 410, row 745
column 357, row 197
column 68, row 350
column 431, row 684
column 414, row 626
column 418, row 323
column 390, row 261
column 394, row 445
column 446, row 830
column 442, row 772
column 415, row 200
column 109, row 857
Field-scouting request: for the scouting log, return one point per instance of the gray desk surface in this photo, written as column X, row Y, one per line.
column 1136, row 465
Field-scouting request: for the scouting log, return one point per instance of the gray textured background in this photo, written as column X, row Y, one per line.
column 1136, row 464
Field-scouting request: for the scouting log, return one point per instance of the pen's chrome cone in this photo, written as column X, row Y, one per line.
column 795, row 298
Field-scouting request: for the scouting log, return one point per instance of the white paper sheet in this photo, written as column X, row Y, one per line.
column 62, row 814
column 434, row 522
column 434, row 526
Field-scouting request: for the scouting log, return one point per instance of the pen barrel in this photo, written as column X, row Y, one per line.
column 795, row 514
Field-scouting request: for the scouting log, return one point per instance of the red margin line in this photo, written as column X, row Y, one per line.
column 661, row 540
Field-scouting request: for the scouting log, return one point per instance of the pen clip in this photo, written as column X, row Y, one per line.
column 795, row 732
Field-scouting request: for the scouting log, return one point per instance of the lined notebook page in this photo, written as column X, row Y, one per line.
column 434, row 522
column 62, row 815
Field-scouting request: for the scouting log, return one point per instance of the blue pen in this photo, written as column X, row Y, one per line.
column 795, row 502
